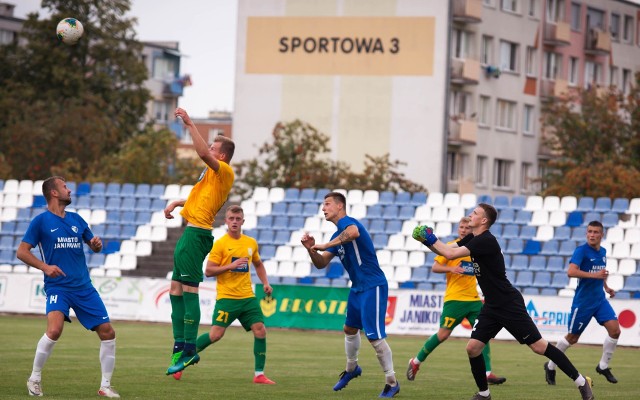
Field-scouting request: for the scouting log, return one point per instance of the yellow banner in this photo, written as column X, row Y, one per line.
column 340, row 45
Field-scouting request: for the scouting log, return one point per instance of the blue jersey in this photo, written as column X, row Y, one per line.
column 590, row 292
column 358, row 257
column 61, row 241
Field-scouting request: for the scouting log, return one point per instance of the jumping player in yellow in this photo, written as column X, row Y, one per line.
column 230, row 261
column 199, row 210
column 461, row 300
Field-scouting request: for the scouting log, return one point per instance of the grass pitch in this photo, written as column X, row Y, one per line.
column 305, row 365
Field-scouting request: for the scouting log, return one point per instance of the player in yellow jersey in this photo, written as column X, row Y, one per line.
column 199, row 210
column 461, row 301
column 230, row 261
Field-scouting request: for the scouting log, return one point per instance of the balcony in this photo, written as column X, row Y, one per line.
column 557, row 34
column 465, row 71
column 598, row 42
column 467, row 11
column 173, row 89
column 550, row 90
column 462, row 131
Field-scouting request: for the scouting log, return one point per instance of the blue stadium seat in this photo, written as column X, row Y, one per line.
column 562, row 233
column 39, row 201
column 485, row 198
column 440, row 287
column 307, row 195
column 306, row 280
column 266, row 236
column 510, row 231
column 291, row 195
column 310, row 209
column 585, row 204
column 538, row 263
column 603, row 204
column 620, row 205
column 380, row 240
column 548, row 292
column 574, row 219
column 386, row 198
column 21, row 228
column 501, row 202
column 281, row 222
column 518, row 202
column 113, row 203
column 514, row 246
column 295, row 209
column 112, row 232
column 128, row 231
column 6, row 242
column 523, row 217
column 393, row 226
column 578, row 234
column 407, row 212
column 7, row 257
column 142, row 217
column 296, row 223
column 550, row 248
column 419, row 274
column 2, row 184
column 496, row 229
column 524, row 278
column 126, row 218
column 403, row 199
column 609, row 219
column 321, row 281
column 542, row 279
column 632, row 283
column 98, row 230
column 507, row 260
column 289, row 280
column 320, row 193
column 8, row 228
column 528, row 232
column 390, row 212
column 113, row 189
column 435, row 278
column 519, row 262
column 555, row 264
column 111, row 246
column 158, row 204
column 560, row 279
column 141, row 204
column 511, row 275
column 407, row 285
column 530, row 291
column 591, row 216
column 264, row 222
column 623, row 295
column 251, row 232
column 82, row 189
column 94, row 203
column 375, row 211
column 418, row 199
column 566, row 248
column 98, row 189
column 424, row 286
column 128, row 190
column 157, row 191
column 282, row 237
column 506, row 216
column 129, row 203
column 113, row 217
column 532, row 247
column 24, row 214
column 278, row 209
column 96, row 260
column 142, row 190
column 267, row 252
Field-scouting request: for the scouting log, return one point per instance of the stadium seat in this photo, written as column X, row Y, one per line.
column 626, row 267
column 419, row 274
column 555, row 264
column 567, row 248
column 375, row 211
column 548, row 292
column 539, row 218
column 267, row 252
column 143, row 248
column 406, row 212
column 307, row 195
column 128, row 190
column 451, row 200
column 557, row 218
column 621, row 250
column 568, row 204
column 392, row 226
column 157, row 191
column 422, row 213
column 632, row 283
column 501, row 202
column 620, row 205
column 530, row 291
column 380, row 240
column 370, row 197
column 531, row 247
column 171, row 192
column 510, row 231
column 291, row 195
column 514, row 246
column 185, row 190
column 468, row 200
column 524, row 278
column 403, row 199
column 386, row 198
column 511, row 275
column 544, row 233
column 538, row 263
column 528, row 232
column 418, row 199
column 550, row 248
column 574, row 219
column 98, row 189
column 435, row 199
column 390, row 212
column 534, row 203
column 11, row 186
column 562, row 233
column 281, row 237
column 632, row 235
column 518, row 202
column 609, row 219
column 523, row 217
column 320, row 193
column 602, row 204
column 542, row 279
column 585, row 204
column 439, row 213
column 551, row 203
column 278, row 209
column 354, row 196
column 519, row 262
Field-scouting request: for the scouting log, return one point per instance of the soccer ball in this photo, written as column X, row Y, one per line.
column 69, row 30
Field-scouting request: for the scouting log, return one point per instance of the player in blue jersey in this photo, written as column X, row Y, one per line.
column 588, row 263
column 60, row 235
column 367, row 303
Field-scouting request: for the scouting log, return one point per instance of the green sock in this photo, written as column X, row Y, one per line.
column 428, row 347
column 203, row 342
column 260, row 353
column 486, row 354
column 191, row 317
column 177, row 317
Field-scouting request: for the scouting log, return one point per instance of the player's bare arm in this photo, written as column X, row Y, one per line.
column 350, row 233
column 172, row 206
column 24, row 255
column 320, row 260
column 261, row 271
column 202, row 148
column 439, row 268
column 95, row 244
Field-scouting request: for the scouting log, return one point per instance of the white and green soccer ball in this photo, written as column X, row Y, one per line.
column 69, row 31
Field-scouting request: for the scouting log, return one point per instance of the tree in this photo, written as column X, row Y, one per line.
column 596, row 137
column 71, row 104
column 298, row 158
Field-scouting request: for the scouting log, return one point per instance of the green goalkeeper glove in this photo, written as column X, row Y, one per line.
column 424, row 234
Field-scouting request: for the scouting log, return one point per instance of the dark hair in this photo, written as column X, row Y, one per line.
column 226, row 146
column 489, row 212
column 235, row 209
column 338, row 197
column 597, row 224
column 49, row 185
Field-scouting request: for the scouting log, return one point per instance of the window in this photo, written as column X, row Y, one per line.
column 481, row 171
column 595, row 19
column 575, row 16
column 626, row 81
column 528, row 120
column 455, row 165
column 488, row 3
column 502, row 170
column 461, row 43
column 508, row 56
column 164, row 68
column 573, row 71
column 555, row 10
column 509, row 5
column 552, row 65
column 484, row 117
column 186, row 136
column 213, row 133
column 613, row 76
column 460, row 104
column 525, row 177
column 487, row 50
column 592, row 74
column 506, row 115
column 161, row 111
column 533, row 8
column 530, row 61
column 6, row 37
column 614, row 27
column 627, row 33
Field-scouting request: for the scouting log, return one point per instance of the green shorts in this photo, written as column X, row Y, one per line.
column 454, row 312
column 247, row 311
column 191, row 251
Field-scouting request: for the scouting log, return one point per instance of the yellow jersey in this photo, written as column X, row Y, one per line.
column 236, row 283
column 459, row 287
column 208, row 195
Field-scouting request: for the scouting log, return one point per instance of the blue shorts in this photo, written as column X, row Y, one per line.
column 86, row 303
column 580, row 316
column 366, row 311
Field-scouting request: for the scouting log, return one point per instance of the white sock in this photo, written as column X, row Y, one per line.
column 385, row 357
column 608, row 348
column 580, row 381
column 488, row 373
column 484, row 393
column 351, row 348
column 107, row 360
column 43, row 351
column 562, row 345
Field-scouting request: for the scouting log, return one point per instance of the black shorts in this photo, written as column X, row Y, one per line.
column 513, row 317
